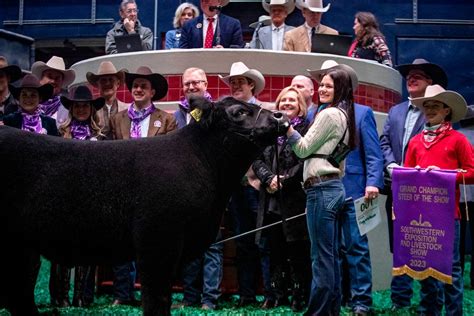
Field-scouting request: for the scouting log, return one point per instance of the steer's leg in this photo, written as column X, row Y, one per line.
column 157, row 263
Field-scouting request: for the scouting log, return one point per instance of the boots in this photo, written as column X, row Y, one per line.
column 80, row 275
column 59, row 285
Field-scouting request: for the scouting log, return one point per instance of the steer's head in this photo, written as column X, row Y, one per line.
column 243, row 120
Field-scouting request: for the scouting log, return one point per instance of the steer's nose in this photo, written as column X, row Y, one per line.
column 281, row 118
column 278, row 115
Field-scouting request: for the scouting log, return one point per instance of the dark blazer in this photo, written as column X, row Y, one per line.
column 364, row 164
column 48, row 123
column 228, row 32
column 391, row 139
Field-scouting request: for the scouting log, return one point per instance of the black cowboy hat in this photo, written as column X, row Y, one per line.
column 12, row 71
column 82, row 94
column 30, row 81
column 435, row 72
column 158, row 82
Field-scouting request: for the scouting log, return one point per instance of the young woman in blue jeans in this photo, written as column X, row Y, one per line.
column 334, row 122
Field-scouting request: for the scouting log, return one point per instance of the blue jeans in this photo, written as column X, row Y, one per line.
column 432, row 290
column 324, row 204
column 206, row 271
column 124, row 281
column 356, row 250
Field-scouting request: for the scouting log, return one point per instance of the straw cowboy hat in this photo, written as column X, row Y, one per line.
column 452, row 99
column 288, row 4
column 264, row 19
column 106, row 68
column 435, row 72
column 31, row 81
column 158, row 82
column 240, row 69
column 331, row 64
column 12, row 71
column 54, row 63
column 82, row 94
column 312, row 5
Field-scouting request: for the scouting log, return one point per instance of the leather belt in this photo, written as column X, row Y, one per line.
column 315, row 180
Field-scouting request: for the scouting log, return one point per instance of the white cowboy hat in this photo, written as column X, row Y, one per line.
column 331, row 64
column 54, row 63
column 224, row 2
column 239, row 69
column 264, row 19
column 312, row 5
column 452, row 99
column 106, row 68
column 288, row 4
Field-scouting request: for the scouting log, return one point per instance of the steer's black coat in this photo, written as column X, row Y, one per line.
column 158, row 200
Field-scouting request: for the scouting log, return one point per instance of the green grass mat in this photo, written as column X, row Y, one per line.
column 102, row 307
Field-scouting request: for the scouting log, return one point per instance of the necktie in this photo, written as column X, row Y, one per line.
column 209, row 33
column 313, row 31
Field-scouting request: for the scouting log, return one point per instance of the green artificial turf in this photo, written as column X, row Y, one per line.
column 102, row 307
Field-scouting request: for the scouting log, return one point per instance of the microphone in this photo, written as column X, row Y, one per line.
column 213, row 8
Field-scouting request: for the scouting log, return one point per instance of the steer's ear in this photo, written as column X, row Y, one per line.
column 200, row 109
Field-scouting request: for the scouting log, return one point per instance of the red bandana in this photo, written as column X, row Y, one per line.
column 432, row 137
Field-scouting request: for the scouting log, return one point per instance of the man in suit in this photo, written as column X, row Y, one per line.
column 108, row 80
column 142, row 118
column 363, row 178
column 8, row 74
column 271, row 36
column 403, row 122
column 299, row 39
column 212, row 29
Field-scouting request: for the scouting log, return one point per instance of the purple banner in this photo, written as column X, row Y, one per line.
column 423, row 226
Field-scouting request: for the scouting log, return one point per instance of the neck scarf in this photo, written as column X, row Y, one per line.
column 184, row 104
column 136, row 116
column 433, row 134
column 51, row 106
column 32, row 122
column 81, row 130
column 293, row 122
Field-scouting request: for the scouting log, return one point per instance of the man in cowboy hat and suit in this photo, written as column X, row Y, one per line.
column 363, row 176
column 142, row 118
column 108, row 80
column 299, row 39
column 404, row 121
column 55, row 73
column 271, row 36
column 245, row 84
column 212, row 29
column 8, row 74
column 128, row 24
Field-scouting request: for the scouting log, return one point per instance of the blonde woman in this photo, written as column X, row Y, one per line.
column 185, row 12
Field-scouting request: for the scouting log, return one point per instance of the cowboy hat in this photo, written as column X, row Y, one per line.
column 264, row 19
column 435, row 72
column 158, row 82
column 224, row 3
column 30, row 81
column 451, row 98
column 240, row 69
column 106, row 68
column 54, row 63
column 288, row 4
column 82, row 94
column 12, row 71
column 312, row 5
column 331, row 64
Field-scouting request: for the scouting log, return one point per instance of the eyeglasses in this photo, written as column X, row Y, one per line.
column 417, row 77
column 193, row 82
column 131, row 11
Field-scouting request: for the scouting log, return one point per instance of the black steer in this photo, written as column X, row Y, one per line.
column 157, row 200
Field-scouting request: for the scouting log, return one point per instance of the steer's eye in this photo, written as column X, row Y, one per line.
column 240, row 112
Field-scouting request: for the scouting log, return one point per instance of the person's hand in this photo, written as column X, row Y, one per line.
column 290, row 131
column 371, row 193
column 129, row 25
column 1, row 123
column 432, row 168
column 390, row 168
column 274, row 183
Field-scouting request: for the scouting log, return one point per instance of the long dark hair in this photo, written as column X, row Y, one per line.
column 370, row 25
column 344, row 99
